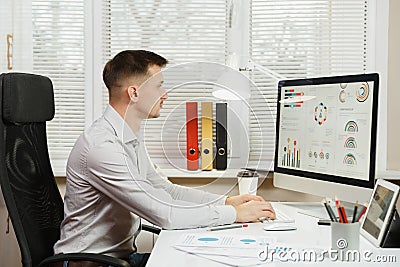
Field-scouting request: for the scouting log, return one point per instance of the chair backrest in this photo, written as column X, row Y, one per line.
column 27, row 181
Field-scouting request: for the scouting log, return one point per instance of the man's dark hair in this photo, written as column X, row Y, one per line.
column 129, row 63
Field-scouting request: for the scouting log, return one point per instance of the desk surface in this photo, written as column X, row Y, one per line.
column 309, row 235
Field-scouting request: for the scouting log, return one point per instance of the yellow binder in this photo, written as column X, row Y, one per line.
column 206, row 136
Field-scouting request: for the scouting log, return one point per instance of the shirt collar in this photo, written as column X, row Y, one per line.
column 121, row 128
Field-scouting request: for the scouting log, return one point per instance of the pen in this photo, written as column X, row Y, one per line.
column 228, row 227
column 340, row 215
column 362, row 212
column 324, row 222
column 354, row 213
column 344, row 214
column 338, row 210
column 331, row 216
column 331, row 210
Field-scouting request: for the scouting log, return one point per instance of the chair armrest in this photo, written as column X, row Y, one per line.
column 151, row 229
column 110, row 261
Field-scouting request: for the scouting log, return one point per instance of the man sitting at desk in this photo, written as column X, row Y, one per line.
column 111, row 182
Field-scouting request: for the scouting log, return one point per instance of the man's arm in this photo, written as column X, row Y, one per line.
column 184, row 193
column 179, row 192
column 111, row 171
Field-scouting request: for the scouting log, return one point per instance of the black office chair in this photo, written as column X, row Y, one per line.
column 27, row 181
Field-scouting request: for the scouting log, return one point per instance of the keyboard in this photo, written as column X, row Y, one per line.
column 281, row 217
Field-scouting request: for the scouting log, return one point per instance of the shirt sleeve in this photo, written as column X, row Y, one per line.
column 179, row 192
column 112, row 171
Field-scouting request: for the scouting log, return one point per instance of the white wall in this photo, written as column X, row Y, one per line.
column 393, row 98
column 5, row 28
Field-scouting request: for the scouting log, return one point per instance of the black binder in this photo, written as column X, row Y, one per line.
column 221, row 136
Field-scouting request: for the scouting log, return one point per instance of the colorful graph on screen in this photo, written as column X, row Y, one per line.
column 350, row 159
column 291, row 93
column 335, row 128
column 342, row 96
column 291, row 155
column 320, row 112
column 350, row 142
column 321, row 155
column 362, row 92
column 351, row 126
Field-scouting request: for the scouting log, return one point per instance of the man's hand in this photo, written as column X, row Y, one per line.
column 237, row 200
column 252, row 210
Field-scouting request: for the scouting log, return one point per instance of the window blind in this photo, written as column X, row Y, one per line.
column 299, row 39
column 293, row 38
column 58, row 52
column 182, row 32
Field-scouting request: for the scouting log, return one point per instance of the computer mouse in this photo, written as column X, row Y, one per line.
column 279, row 227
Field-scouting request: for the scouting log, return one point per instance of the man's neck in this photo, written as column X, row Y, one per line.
column 128, row 115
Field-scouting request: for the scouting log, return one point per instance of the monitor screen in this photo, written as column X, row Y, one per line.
column 326, row 129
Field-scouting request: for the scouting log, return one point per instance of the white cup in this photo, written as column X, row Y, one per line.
column 247, row 182
column 345, row 239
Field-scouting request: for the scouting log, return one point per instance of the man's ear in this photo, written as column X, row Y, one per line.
column 133, row 94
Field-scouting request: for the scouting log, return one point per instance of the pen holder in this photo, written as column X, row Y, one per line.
column 247, row 182
column 345, row 239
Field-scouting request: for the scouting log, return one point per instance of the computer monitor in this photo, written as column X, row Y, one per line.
column 326, row 136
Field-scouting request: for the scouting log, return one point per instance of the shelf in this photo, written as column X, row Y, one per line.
column 389, row 175
column 175, row 173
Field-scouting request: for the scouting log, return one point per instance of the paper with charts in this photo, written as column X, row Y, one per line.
column 235, row 250
column 223, row 241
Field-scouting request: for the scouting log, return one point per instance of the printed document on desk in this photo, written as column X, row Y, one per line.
column 217, row 240
column 236, row 250
column 250, row 259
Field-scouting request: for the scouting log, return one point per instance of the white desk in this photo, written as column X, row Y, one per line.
column 309, row 235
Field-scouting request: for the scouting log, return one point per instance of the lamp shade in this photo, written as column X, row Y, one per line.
column 232, row 85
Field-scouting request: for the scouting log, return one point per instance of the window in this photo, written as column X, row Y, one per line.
column 180, row 33
column 295, row 39
column 299, row 39
column 58, row 52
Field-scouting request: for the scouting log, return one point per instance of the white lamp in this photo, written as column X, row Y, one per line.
column 235, row 84
column 276, row 76
column 232, row 85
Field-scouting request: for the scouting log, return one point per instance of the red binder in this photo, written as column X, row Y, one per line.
column 192, row 139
